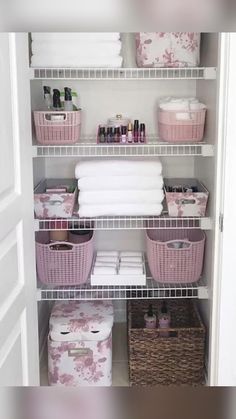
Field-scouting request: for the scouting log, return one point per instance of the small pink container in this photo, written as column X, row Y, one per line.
column 63, row 267
column 175, row 256
column 173, row 128
column 64, row 131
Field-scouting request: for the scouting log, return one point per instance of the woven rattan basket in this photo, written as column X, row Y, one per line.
column 174, row 360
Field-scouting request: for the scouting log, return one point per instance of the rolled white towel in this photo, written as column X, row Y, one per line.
column 130, row 271
column 117, row 197
column 104, row 270
column 130, row 253
column 131, row 259
column 110, row 264
column 75, row 36
column 119, row 209
column 117, row 167
column 107, row 253
column 113, row 259
column 100, row 183
column 131, row 264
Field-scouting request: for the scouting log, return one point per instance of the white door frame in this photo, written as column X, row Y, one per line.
column 223, row 337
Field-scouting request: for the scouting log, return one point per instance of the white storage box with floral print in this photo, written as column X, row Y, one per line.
column 168, row 49
column 80, row 343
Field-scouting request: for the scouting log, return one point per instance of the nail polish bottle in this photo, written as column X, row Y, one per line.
column 142, row 133
column 130, row 133
column 109, row 135
column 117, row 135
column 164, row 320
column 136, row 131
column 150, row 318
column 102, row 135
column 123, row 134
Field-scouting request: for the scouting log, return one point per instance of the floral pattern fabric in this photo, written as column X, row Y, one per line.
column 168, row 49
column 54, row 205
column 80, row 343
column 187, row 205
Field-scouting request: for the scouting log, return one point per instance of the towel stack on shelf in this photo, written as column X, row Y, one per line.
column 120, row 187
column 102, row 49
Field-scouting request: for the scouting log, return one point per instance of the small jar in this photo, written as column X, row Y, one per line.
column 150, row 319
column 118, row 121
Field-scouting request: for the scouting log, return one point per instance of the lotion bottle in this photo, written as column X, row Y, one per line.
column 68, row 104
column 150, row 318
column 164, row 320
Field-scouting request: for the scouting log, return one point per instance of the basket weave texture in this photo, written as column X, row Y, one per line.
column 174, row 360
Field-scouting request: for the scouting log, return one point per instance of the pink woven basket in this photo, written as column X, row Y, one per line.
column 64, row 131
column 175, row 256
column 174, row 129
column 63, row 267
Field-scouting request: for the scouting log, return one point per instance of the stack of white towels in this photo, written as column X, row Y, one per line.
column 80, row 49
column 118, row 263
column 119, row 187
column 181, row 105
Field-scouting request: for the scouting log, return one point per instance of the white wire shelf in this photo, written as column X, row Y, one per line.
column 124, row 223
column 151, row 290
column 204, row 73
column 90, row 148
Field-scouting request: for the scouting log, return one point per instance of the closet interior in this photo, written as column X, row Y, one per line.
column 133, row 92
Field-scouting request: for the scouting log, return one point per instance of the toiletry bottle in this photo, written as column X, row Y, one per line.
column 123, row 134
column 150, row 318
column 109, row 135
column 47, row 97
column 102, row 134
column 68, row 104
column 142, row 133
column 130, row 133
column 117, row 134
column 164, row 320
column 136, row 131
column 56, row 100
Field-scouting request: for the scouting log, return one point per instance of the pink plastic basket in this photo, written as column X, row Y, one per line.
column 174, row 129
column 175, row 256
column 63, row 267
column 65, row 131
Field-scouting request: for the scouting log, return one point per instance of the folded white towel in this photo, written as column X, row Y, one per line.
column 113, row 259
column 118, row 167
column 181, row 104
column 131, row 259
column 130, row 253
column 129, row 270
column 118, row 197
column 74, row 48
column 107, row 253
column 120, row 209
column 100, row 183
column 75, row 36
column 104, row 270
column 48, row 61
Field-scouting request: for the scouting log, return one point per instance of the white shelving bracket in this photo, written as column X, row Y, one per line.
column 206, row 223
column 207, row 150
column 210, row 73
column 34, row 151
column 36, row 225
column 203, row 293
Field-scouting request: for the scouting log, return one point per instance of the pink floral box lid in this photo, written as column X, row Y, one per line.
column 81, row 320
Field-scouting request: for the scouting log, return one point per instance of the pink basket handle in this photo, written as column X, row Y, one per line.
column 185, row 201
column 54, row 244
column 47, row 117
column 170, row 243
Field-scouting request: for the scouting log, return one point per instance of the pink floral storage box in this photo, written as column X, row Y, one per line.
column 80, row 343
column 55, row 198
column 168, row 49
column 186, row 197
